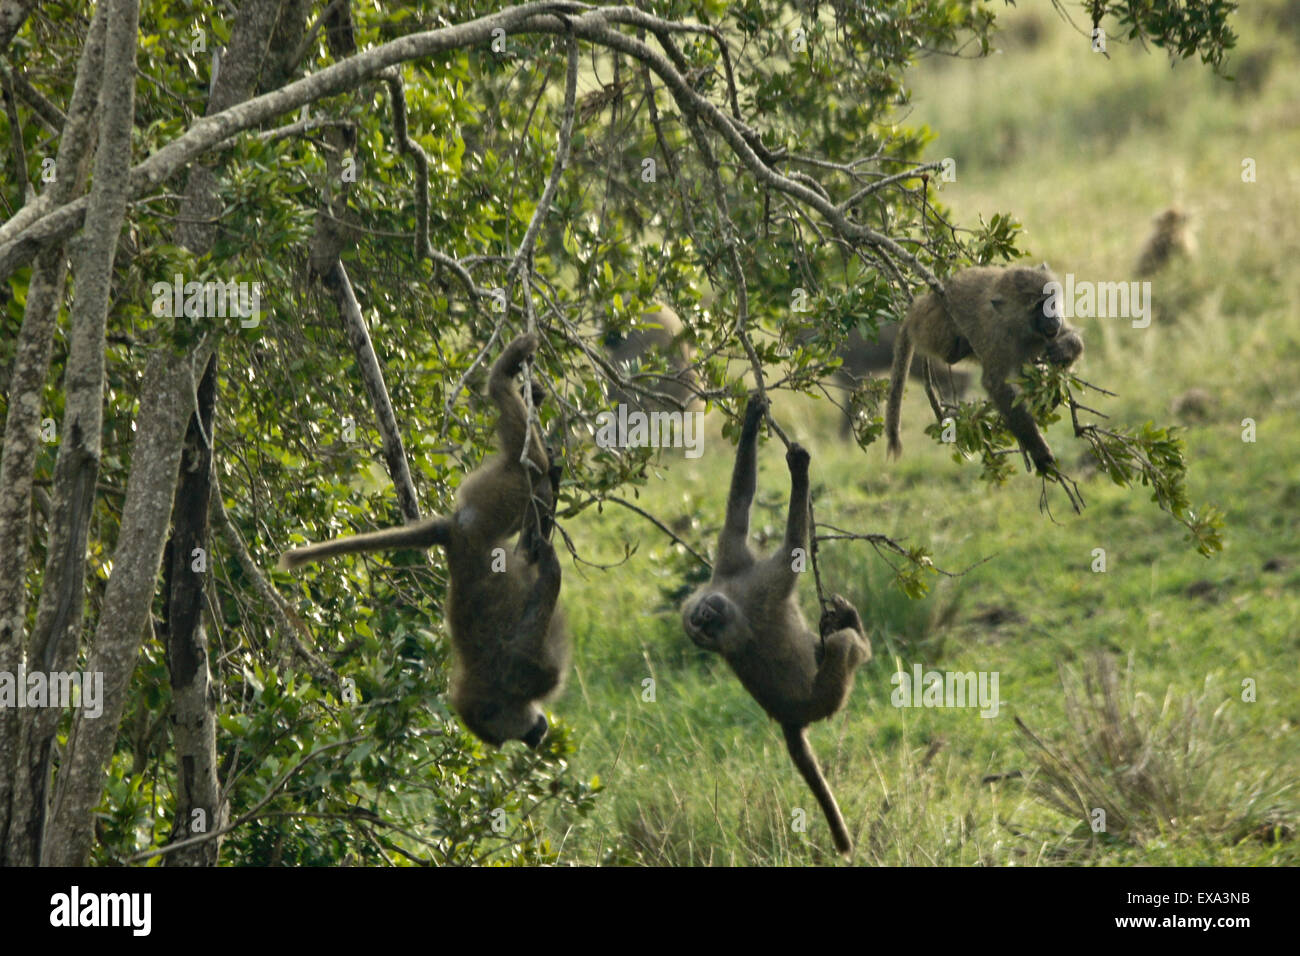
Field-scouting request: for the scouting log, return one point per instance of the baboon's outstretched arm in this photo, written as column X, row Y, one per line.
column 528, row 643
column 540, row 517
column 780, row 572
column 532, row 672
column 535, row 617
column 1020, row 422
column 529, row 673
column 796, row 524
column 733, row 545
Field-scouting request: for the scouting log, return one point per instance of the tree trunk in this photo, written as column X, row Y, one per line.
column 13, row 14
column 155, row 458
column 31, row 366
column 200, row 807
column 53, row 644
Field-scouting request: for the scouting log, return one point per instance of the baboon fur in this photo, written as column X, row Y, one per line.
column 748, row 613
column 512, row 648
column 999, row 316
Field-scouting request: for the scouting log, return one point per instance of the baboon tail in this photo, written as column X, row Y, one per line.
column 796, row 741
column 897, row 382
column 418, row 534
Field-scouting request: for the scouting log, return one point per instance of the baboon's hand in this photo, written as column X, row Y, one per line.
column 755, row 409
column 1045, row 464
column 839, row 615
column 521, row 350
column 797, row 459
column 553, row 475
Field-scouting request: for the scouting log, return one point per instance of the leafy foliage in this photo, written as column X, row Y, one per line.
column 1151, row 456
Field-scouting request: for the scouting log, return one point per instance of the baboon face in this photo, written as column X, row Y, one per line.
column 708, row 617
column 1030, row 285
column 496, row 721
column 1048, row 326
column 1171, row 220
column 1064, row 350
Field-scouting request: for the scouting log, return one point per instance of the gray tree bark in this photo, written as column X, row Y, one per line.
column 200, row 805
column 327, row 243
column 155, row 458
column 53, row 643
column 30, row 368
column 13, row 14
column 22, row 236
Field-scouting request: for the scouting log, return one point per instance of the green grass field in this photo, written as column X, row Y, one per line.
column 1084, row 151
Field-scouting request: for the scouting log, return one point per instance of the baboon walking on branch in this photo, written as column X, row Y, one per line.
column 1004, row 317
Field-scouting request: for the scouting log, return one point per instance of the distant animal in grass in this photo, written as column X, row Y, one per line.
column 1170, row 238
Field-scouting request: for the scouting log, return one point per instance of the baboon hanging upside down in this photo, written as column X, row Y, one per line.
column 512, row 649
column 748, row 613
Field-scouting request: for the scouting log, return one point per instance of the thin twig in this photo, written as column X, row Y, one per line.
column 660, row 525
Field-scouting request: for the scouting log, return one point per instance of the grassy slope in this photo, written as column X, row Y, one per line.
column 700, row 775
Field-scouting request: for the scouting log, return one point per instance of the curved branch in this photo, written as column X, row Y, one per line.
column 20, row 240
